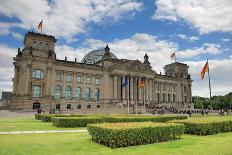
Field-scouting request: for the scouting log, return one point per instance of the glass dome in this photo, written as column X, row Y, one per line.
column 95, row 55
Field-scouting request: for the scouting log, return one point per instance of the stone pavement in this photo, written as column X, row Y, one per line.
column 39, row 132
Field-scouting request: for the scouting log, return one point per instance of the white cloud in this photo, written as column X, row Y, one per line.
column 67, row 18
column 17, row 36
column 135, row 47
column 189, row 38
column 205, row 15
column 207, row 48
column 225, row 39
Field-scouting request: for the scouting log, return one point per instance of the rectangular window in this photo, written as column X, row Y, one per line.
column 78, row 78
column 88, row 80
column 158, row 97
column 69, row 77
column 36, row 91
column 174, row 98
column 97, row 81
column 164, row 97
column 169, row 98
column 163, row 87
column 59, row 75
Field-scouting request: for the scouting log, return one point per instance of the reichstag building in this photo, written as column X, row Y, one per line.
column 100, row 83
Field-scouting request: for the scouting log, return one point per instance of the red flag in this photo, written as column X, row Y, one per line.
column 204, row 70
column 40, row 26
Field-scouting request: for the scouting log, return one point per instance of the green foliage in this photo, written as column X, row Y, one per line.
column 207, row 126
column 216, row 102
column 83, row 121
column 116, row 135
column 75, row 121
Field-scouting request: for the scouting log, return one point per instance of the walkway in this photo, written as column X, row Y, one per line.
column 39, row 132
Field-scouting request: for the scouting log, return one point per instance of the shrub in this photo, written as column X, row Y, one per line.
column 207, row 126
column 38, row 116
column 92, row 119
column 75, row 121
column 116, row 135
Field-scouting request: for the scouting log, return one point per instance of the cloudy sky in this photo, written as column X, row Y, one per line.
column 195, row 29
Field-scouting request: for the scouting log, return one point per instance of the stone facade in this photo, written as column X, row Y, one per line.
column 42, row 81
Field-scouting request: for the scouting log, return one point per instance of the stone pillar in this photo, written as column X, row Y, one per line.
column 147, row 89
column 83, row 86
column 28, row 78
column 139, row 89
column 48, row 80
column 74, row 85
column 64, row 84
column 115, row 87
column 93, row 87
column 135, row 85
column 131, row 88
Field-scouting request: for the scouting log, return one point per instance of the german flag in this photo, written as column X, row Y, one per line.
column 204, row 70
column 141, row 85
column 40, row 25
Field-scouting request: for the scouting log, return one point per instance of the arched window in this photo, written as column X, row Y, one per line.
column 37, row 74
column 68, row 92
column 78, row 93
column 87, row 93
column 164, row 100
column 88, row 106
column 69, row 106
column 97, row 94
column 57, row 92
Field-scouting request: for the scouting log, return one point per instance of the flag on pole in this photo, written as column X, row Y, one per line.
column 40, row 26
column 125, row 82
column 204, row 70
column 173, row 56
column 141, row 85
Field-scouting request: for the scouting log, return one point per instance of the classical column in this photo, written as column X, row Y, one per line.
column 93, row 87
column 74, row 85
column 48, row 80
column 131, row 88
column 147, row 88
column 139, row 89
column 64, row 84
column 115, row 87
column 135, row 85
column 83, row 86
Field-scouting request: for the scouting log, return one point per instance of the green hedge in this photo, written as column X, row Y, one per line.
column 75, row 121
column 116, row 135
column 83, row 121
column 48, row 117
column 207, row 126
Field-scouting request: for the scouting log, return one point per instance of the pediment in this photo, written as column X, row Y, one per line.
column 135, row 66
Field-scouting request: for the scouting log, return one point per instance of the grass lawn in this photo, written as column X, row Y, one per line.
column 81, row 144
column 26, row 124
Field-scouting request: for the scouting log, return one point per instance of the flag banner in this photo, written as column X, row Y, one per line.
column 204, row 70
column 40, row 26
column 141, row 85
column 125, row 82
column 173, row 56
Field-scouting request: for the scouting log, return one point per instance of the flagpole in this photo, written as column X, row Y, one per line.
column 209, row 81
column 128, row 106
column 144, row 97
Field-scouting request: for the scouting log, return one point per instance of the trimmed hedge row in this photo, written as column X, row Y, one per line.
column 83, row 121
column 116, row 135
column 207, row 126
column 48, row 117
